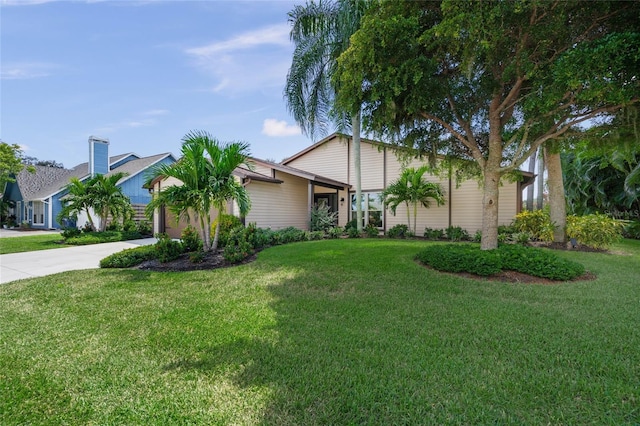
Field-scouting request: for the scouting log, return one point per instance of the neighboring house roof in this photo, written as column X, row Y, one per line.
column 303, row 174
column 250, row 174
column 48, row 181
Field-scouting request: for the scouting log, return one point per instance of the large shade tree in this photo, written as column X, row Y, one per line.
column 489, row 81
column 205, row 171
column 321, row 32
column 412, row 189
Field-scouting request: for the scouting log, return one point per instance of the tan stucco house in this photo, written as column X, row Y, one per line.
column 282, row 194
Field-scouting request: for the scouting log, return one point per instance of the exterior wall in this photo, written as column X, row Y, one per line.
column 278, row 206
column 372, row 158
column 263, row 169
column 331, row 159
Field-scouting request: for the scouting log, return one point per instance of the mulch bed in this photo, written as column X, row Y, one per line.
column 211, row 260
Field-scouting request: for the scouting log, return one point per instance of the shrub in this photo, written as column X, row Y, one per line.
column 129, row 257
column 130, row 226
column 477, row 237
column 322, row 219
column 335, row 232
column 191, row 239
column 433, row 234
column 227, row 223
column 371, row 231
column 398, row 231
column 315, row 235
column 521, row 237
column 166, row 249
column 70, row 233
column 291, row 235
column 235, row 253
column 196, row 256
column 102, row 237
column 528, row 260
column 114, row 226
column 456, row 233
column 353, row 223
column 536, row 223
column 353, row 233
column 595, row 230
column 144, row 227
column 632, row 230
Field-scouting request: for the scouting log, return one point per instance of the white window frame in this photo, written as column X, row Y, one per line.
column 37, row 210
column 365, row 207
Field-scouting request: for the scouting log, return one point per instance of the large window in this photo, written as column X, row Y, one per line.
column 38, row 213
column 372, row 208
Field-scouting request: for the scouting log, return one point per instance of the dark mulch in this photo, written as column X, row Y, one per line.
column 211, row 260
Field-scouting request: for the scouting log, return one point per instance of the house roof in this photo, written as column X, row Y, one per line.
column 303, row 174
column 250, row 174
column 47, row 181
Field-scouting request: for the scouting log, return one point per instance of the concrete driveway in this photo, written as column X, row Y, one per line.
column 17, row 266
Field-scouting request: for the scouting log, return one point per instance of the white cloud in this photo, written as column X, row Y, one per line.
column 26, row 70
column 276, row 128
column 155, row 112
column 254, row 60
column 274, row 35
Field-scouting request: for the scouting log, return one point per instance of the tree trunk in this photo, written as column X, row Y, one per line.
column 540, row 180
column 490, row 209
column 530, row 188
column 557, row 201
column 355, row 127
column 415, row 218
column 206, row 231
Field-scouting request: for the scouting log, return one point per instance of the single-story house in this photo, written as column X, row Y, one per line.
column 37, row 198
column 282, row 194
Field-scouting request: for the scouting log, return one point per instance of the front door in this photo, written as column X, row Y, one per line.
column 330, row 200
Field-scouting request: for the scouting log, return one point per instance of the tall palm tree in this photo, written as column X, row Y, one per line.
column 107, row 198
column 411, row 188
column 205, row 171
column 320, row 32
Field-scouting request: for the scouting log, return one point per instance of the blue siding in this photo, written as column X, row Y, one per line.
column 133, row 186
column 100, row 157
column 57, row 207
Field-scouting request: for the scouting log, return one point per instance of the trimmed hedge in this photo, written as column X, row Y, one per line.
column 129, row 257
column 87, row 238
column 511, row 257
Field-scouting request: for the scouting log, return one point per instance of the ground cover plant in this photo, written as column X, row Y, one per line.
column 507, row 257
column 342, row 331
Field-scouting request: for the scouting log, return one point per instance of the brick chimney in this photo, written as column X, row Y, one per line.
column 98, row 156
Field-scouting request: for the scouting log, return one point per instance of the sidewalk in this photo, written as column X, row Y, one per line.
column 17, row 266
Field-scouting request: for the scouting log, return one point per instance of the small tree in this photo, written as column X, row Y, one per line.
column 411, row 188
column 205, row 171
column 106, row 198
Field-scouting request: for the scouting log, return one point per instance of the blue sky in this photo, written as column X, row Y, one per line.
column 143, row 74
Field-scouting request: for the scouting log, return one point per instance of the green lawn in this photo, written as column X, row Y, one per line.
column 30, row 243
column 318, row 333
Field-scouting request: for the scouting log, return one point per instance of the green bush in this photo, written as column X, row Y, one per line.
column 477, row 237
column 352, row 224
column 70, row 233
column 235, row 253
column 536, row 223
column 456, row 233
column 290, row 235
column 322, row 219
column 371, row 231
column 353, row 233
column 227, row 223
column 595, row 230
column 315, row 235
column 144, row 227
column 129, row 257
column 167, row 249
column 196, row 256
column 433, row 234
column 191, row 239
column 335, row 232
column 632, row 230
column 86, row 238
column 398, row 231
column 528, row 260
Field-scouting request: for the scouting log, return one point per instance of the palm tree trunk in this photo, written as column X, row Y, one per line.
column 216, row 235
column 355, row 126
column 557, row 201
column 415, row 218
column 408, row 215
column 93, row 226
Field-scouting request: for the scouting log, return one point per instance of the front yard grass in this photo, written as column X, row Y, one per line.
column 30, row 243
column 323, row 332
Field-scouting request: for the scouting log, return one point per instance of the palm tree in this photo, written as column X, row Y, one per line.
column 206, row 172
column 411, row 188
column 107, row 198
column 321, row 32
column 77, row 200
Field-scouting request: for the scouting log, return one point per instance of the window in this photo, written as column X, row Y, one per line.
column 38, row 213
column 372, row 208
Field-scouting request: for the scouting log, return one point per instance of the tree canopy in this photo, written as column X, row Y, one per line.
column 489, row 81
column 10, row 163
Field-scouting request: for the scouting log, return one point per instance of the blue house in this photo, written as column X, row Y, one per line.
column 37, row 197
